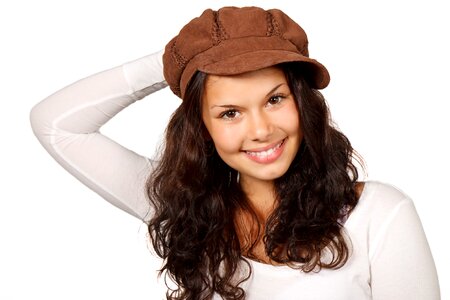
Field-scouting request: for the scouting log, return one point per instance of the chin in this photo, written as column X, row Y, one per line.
column 269, row 175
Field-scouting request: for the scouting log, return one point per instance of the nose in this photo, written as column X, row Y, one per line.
column 260, row 127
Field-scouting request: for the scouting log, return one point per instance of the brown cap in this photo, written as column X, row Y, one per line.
column 236, row 40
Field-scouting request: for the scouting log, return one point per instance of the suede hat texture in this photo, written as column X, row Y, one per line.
column 235, row 40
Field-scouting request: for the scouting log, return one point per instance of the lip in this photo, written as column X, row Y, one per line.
column 268, row 154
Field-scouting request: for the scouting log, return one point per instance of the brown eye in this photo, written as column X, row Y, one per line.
column 274, row 100
column 229, row 114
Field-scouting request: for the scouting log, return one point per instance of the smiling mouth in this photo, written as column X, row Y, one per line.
column 267, row 156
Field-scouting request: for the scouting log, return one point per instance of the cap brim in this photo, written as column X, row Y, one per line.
column 317, row 75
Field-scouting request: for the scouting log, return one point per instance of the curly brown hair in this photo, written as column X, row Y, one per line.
column 196, row 196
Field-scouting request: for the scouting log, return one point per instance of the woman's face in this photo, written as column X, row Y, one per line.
column 253, row 121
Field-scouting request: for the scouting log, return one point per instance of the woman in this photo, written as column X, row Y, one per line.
column 255, row 194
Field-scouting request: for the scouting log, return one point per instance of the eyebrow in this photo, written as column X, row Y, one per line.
column 237, row 106
column 274, row 89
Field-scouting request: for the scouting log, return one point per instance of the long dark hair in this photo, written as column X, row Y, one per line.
column 195, row 197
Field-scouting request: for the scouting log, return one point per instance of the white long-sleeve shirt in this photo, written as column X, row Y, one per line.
column 390, row 256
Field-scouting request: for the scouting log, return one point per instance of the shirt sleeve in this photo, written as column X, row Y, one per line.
column 402, row 266
column 67, row 125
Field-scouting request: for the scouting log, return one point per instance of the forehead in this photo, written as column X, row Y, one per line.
column 249, row 82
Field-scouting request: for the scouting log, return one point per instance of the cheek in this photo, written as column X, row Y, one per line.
column 226, row 139
column 290, row 120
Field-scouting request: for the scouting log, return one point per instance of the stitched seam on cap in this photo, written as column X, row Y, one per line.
column 218, row 33
column 272, row 25
column 180, row 61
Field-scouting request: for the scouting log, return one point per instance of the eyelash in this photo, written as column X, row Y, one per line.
column 223, row 115
column 280, row 97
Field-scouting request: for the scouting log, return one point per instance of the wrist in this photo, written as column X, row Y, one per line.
column 145, row 75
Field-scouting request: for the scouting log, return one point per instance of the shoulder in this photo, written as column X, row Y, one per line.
column 376, row 194
column 378, row 203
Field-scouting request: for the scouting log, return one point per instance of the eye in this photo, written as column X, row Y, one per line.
column 229, row 114
column 275, row 99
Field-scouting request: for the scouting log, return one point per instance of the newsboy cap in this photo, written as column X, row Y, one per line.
column 235, row 40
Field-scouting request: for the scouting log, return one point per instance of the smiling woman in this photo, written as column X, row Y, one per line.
column 277, row 166
column 255, row 193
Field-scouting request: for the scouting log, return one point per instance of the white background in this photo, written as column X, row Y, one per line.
column 58, row 240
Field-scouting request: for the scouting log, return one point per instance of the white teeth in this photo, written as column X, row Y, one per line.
column 265, row 153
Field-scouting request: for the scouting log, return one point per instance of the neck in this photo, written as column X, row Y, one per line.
column 261, row 196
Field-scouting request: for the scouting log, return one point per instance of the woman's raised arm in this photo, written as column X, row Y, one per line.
column 67, row 124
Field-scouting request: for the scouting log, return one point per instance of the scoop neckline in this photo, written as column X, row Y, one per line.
column 267, row 266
